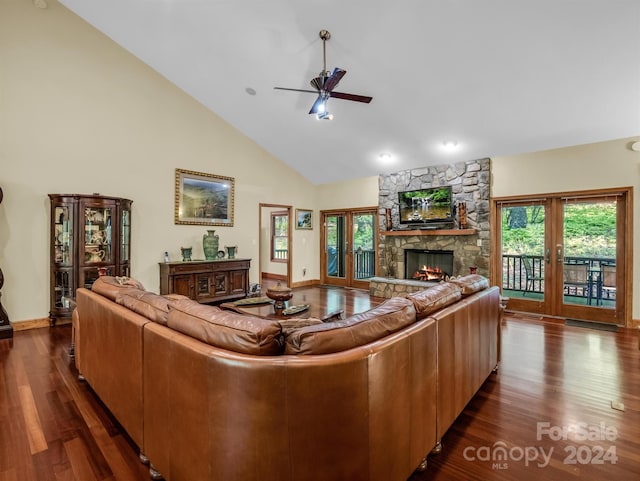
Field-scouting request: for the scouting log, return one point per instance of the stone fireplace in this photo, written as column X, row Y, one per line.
column 428, row 265
column 470, row 247
column 464, row 249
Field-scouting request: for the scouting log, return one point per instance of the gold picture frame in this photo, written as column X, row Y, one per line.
column 304, row 219
column 203, row 199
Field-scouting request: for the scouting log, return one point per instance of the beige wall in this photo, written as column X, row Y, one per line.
column 357, row 193
column 582, row 167
column 78, row 114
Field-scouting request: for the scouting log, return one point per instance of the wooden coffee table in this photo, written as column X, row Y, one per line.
column 265, row 309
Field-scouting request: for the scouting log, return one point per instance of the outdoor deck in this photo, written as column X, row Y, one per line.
column 590, row 292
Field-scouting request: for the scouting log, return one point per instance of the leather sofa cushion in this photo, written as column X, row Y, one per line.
column 471, row 284
column 148, row 304
column 357, row 330
column 434, row 298
column 290, row 325
column 226, row 329
column 109, row 286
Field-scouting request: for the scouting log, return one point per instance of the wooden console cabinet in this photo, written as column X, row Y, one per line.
column 206, row 281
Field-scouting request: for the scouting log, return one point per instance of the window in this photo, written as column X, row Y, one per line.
column 279, row 236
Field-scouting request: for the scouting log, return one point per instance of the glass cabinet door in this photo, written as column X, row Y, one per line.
column 97, row 235
column 125, row 236
column 63, row 290
column 62, row 275
column 63, row 232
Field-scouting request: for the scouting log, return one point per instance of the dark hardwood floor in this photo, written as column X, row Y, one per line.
column 52, row 426
column 551, row 378
column 550, row 407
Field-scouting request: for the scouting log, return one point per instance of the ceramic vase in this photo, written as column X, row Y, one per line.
column 210, row 242
column 231, row 251
column 186, row 253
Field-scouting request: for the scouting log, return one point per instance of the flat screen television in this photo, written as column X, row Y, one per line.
column 424, row 206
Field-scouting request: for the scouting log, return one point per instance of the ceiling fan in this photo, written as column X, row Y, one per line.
column 324, row 84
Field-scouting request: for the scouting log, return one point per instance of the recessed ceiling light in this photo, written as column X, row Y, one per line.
column 385, row 156
column 250, row 91
column 450, row 145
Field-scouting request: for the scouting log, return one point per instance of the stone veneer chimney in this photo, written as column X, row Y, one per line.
column 470, row 182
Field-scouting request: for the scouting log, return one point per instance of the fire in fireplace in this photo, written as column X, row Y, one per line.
column 428, row 265
column 426, row 273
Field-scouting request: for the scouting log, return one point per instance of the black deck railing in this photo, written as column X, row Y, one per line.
column 364, row 264
column 514, row 274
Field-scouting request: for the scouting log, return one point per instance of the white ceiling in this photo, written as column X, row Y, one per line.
column 499, row 77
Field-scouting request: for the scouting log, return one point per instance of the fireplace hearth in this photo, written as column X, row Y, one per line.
column 428, row 265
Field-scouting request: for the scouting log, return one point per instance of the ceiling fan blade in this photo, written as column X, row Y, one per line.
column 296, row 90
column 316, row 105
column 354, row 97
column 333, row 80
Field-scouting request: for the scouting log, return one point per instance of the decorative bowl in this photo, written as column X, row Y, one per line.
column 280, row 294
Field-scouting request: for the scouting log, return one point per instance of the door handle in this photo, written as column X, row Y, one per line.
column 547, row 257
column 559, row 256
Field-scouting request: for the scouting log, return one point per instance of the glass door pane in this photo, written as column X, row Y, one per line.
column 63, row 288
column 97, row 232
column 590, row 246
column 364, row 254
column 125, row 236
column 524, row 255
column 64, row 235
column 336, row 246
column 62, row 274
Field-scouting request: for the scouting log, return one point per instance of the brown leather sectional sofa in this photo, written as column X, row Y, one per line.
column 209, row 394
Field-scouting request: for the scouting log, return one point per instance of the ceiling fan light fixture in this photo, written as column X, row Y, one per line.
column 324, row 116
column 321, row 109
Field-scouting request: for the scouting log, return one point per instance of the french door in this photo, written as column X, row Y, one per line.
column 349, row 247
column 565, row 255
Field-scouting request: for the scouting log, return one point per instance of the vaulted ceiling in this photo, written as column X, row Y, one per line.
column 495, row 77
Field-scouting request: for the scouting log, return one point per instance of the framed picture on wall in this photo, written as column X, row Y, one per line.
column 304, row 219
column 203, row 199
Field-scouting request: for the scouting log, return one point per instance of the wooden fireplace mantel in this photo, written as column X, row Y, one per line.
column 410, row 232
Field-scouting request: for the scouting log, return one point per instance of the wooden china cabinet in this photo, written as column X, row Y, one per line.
column 89, row 234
